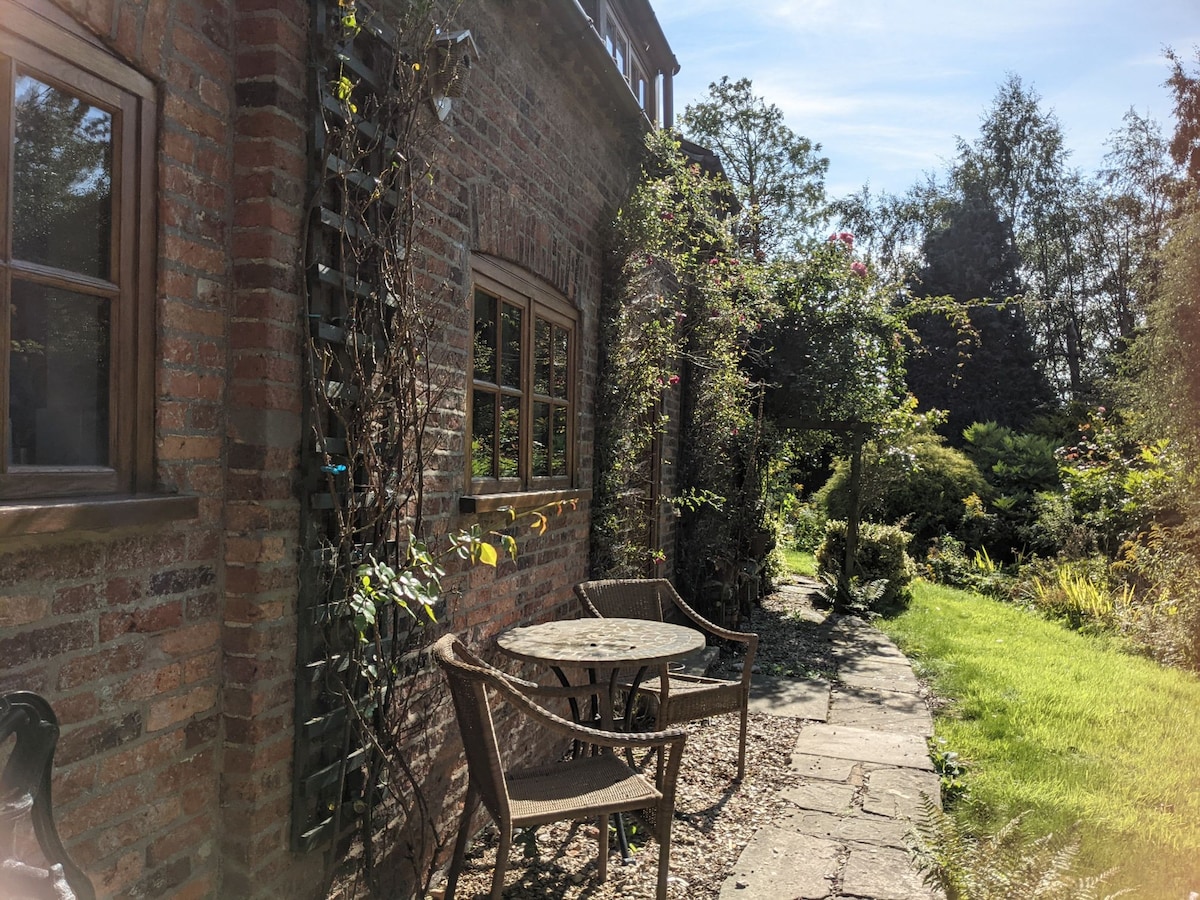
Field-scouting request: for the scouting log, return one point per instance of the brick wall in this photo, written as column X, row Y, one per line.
column 120, row 629
column 169, row 652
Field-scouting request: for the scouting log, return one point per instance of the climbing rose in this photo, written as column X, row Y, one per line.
column 858, row 269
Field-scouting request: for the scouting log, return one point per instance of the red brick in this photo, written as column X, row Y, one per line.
column 23, row 610
column 47, row 642
column 141, row 621
column 173, row 447
column 190, row 639
column 144, row 685
column 180, row 707
column 94, row 666
column 90, row 740
column 188, row 835
column 147, row 755
column 119, row 874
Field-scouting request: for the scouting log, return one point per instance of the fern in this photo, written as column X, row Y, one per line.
column 1007, row 865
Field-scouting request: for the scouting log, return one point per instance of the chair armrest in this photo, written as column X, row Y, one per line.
column 713, row 628
column 614, row 739
column 514, row 690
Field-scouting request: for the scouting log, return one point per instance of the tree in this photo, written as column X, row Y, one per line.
column 1020, row 162
column 1185, row 144
column 889, row 228
column 778, row 176
column 833, row 352
column 977, row 362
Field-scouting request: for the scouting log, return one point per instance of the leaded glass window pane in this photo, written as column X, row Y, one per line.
column 62, row 180
column 58, row 377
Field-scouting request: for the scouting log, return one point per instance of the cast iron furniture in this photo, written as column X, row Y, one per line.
column 29, row 734
column 589, row 785
column 681, row 698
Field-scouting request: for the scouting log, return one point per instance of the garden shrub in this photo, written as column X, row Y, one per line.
column 1080, row 593
column 806, row 523
column 1162, row 566
column 1116, row 484
column 882, row 555
column 949, row 562
column 917, row 482
column 1017, row 467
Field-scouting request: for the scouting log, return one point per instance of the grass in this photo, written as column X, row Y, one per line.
column 1066, row 729
column 800, row 563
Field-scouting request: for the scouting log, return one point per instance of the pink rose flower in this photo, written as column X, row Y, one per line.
column 858, row 269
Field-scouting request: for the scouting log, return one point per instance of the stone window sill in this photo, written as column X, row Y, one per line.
column 31, row 517
column 518, row 500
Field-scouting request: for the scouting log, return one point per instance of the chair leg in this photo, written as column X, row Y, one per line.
column 742, row 744
column 460, row 844
column 602, row 860
column 506, row 834
column 666, row 812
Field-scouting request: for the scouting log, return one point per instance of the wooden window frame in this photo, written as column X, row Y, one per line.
column 518, row 288
column 635, row 68
column 39, row 39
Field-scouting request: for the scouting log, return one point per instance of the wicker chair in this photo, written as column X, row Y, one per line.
column 587, row 786
column 681, row 698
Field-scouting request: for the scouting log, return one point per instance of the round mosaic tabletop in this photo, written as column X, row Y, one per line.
column 600, row 643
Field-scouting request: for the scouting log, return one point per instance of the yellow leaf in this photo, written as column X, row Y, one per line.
column 539, row 523
column 487, row 554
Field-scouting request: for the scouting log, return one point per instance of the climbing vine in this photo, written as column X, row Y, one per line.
column 375, row 565
column 681, row 305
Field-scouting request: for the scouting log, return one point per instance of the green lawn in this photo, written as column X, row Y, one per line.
column 800, row 563
column 1067, row 729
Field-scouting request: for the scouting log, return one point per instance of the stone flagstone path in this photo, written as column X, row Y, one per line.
column 865, row 765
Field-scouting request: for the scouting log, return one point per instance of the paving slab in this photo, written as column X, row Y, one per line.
column 779, row 864
column 851, row 644
column 869, row 707
column 864, row 744
column 898, row 792
column 823, row 767
column 823, row 796
column 797, row 698
column 883, row 874
column 871, row 831
column 881, row 676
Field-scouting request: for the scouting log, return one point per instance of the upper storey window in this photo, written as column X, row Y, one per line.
column 635, row 43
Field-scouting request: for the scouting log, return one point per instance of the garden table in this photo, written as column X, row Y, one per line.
column 602, row 645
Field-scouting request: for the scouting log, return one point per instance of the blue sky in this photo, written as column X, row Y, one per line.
column 885, row 86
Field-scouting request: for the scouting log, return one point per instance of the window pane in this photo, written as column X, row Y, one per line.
column 561, row 355
column 483, row 435
column 541, row 439
column 485, row 337
column 510, row 352
column 541, row 362
column 558, row 460
column 58, row 384
column 62, row 180
column 510, row 437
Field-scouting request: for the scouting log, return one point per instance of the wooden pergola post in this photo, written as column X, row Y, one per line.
column 858, row 438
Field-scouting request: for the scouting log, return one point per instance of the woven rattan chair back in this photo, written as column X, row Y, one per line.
column 469, row 693
column 623, row 598
column 681, row 698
